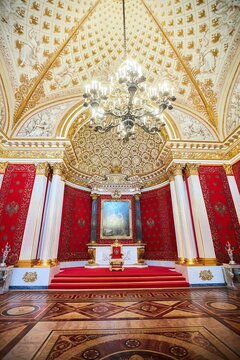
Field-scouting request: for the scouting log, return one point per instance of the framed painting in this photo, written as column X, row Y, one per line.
column 116, row 219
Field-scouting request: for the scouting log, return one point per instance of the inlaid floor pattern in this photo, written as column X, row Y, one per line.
column 159, row 324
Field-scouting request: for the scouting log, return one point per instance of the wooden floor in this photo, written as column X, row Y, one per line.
column 121, row 325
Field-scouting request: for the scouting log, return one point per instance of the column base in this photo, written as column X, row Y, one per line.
column 26, row 263
column 191, row 262
column 44, row 263
column 200, row 275
column 208, row 261
column 180, row 261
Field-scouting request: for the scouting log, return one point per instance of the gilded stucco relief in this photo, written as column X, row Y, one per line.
column 44, row 123
column 191, row 128
column 233, row 113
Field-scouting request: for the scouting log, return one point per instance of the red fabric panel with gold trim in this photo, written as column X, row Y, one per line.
column 157, row 225
column 75, row 226
column 15, row 197
column 236, row 173
column 220, row 210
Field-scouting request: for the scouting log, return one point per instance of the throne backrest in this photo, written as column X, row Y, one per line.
column 116, row 251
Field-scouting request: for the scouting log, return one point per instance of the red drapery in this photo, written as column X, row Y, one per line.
column 157, row 225
column 221, row 211
column 75, row 226
column 15, row 197
column 123, row 241
column 236, row 173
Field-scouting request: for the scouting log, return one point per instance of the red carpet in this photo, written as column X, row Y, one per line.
column 143, row 278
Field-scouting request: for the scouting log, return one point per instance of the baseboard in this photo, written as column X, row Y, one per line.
column 28, row 287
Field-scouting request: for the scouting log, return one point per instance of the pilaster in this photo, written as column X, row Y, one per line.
column 52, row 219
column 138, row 218
column 30, row 241
column 201, row 224
column 176, row 218
column 184, row 215
column 93, row 238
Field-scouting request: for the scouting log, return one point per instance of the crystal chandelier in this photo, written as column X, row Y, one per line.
column 126, row 102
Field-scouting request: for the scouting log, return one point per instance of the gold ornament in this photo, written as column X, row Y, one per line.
column 30, row 276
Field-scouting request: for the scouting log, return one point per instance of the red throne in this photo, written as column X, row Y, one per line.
column 116, row 260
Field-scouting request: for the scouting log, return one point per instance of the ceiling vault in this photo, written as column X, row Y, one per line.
column 24, row 105
column 209, row 110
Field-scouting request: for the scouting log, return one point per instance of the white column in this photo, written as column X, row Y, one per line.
column 234, row 189
column 185, row 216
column 3, row 166
column 58, row 221
column 177, row 223
column 204, row 239
column 28, row 252
column 52, row 219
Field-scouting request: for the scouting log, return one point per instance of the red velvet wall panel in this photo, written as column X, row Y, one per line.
column 158, row 224
column 107, row 241
column 221, row 211
column 15, row 197
column 236, row 173
column 75, row 226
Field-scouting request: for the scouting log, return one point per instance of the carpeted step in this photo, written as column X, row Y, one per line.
column 99, row 272
column 119, row 285
column 71, row 279
column 152, row 277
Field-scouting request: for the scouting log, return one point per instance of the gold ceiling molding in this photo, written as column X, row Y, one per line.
column 210, row 111
column 76, row 119
column 29, row 98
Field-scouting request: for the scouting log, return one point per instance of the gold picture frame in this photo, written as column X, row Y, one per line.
column 116, row 219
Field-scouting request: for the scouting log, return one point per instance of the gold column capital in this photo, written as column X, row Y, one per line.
column 94, row 196
column 42, row 168
column 3, row 166
column 58, row 169
column 137, row 196
column 170, row 175
column 191, row 169
column 176, row 169
column 228, row 169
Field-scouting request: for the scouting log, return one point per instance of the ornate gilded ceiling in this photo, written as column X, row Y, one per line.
column 51, row 48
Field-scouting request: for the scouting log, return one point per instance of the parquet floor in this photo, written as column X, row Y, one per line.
column 121, row 325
